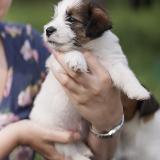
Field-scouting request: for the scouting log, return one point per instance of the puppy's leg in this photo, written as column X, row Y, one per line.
column 124, row 79
column 76, row 61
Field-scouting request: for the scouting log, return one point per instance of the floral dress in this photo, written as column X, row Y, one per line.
column 26, row 55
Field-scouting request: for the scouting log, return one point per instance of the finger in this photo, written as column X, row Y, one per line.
column 69, row 83
column 97, row 68
column 62, row 136
column 78, row 100
column 59, row 58
column 81, row 78
column 93, row 63
column 47, row 151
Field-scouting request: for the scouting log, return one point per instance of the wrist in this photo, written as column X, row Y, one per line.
column 109, row 123
column 110, row 116
column 108, row 133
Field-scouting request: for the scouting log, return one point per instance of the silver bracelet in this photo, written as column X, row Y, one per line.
column 108, row 134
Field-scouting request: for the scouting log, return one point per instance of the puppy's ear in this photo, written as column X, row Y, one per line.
column 98, row 21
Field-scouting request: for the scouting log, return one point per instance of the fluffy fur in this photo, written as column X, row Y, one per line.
column 76, row 25
column 140, row 140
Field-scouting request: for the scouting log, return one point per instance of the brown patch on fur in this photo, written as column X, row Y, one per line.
column 99, row 21
column 145, row 108
column 78, row 27
column 148, row 118
column 92, row 21
column 129, row 107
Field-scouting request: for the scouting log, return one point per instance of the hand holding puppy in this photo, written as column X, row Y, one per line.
column 96, row 99
column 93, row 93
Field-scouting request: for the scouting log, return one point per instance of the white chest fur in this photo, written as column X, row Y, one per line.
column 52, row 107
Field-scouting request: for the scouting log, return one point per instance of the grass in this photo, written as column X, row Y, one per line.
column 138, row 31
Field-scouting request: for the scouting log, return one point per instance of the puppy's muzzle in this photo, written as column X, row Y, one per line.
column 50, row 31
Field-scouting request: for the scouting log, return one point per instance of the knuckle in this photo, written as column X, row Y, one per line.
column 82, row 101
column 86, row 99
column 97, row 91
column 79, row 101
column 106, row 81
column 65, row 81
column 74, row 75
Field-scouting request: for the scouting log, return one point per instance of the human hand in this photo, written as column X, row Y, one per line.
column 93, row 93
column 96, row 99
column 42, row 139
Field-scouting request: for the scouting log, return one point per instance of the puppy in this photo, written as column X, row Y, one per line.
column 77, row 25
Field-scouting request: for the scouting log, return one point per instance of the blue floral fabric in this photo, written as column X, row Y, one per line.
column 26, row 55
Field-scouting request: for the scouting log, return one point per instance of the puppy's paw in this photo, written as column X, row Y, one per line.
column 76, row 61
column 139, row 93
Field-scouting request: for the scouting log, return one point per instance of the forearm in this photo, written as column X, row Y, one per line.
column 8, row 140
column 103, row 149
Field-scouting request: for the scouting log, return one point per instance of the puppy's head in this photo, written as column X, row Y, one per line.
column 75, row 23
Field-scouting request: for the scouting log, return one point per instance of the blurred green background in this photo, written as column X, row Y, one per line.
column 138, row 30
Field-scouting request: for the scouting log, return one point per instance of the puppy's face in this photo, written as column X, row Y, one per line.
column 75, row 23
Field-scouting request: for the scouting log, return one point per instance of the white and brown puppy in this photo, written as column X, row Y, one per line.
column 77, row 25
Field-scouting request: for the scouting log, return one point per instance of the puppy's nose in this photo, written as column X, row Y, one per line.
column 50, row 30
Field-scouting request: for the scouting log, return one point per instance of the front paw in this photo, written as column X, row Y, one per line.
column 76, row 61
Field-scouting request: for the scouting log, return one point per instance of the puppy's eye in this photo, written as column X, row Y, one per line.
column 71, row 19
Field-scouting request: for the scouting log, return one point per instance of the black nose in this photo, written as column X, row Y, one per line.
column 50, row 30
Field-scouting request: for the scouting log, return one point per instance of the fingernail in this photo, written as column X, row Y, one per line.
column 76, row 136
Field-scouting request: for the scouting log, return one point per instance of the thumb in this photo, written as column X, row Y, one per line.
column 62, row 136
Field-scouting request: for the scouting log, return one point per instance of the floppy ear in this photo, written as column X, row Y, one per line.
column 98, row 21
column 148, row 107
